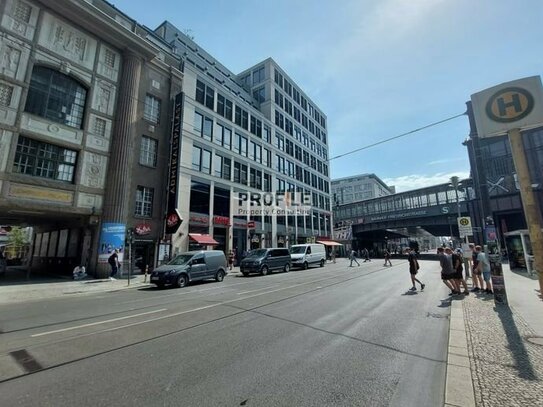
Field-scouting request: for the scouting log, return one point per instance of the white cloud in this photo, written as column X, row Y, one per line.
column 415, row 181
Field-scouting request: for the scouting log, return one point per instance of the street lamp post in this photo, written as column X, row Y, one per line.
column 455, row 183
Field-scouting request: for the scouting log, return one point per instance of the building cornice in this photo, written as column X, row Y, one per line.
column 94, row 20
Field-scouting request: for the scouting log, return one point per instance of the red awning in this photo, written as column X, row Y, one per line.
column 204, row 240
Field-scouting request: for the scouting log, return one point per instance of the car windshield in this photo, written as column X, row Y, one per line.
column 180, row 259
column 297, row 249
column 257, row 253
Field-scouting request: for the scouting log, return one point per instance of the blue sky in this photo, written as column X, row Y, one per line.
column 377, row 68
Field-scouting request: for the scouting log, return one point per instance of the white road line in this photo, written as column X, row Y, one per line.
column 97, row 323
column 254, row 291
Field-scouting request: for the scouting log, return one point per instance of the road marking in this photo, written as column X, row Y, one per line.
column 97, row 323
column 260, row 289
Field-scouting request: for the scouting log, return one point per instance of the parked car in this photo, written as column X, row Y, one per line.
column 191, row 266
column 303, row 255
column 265, row 260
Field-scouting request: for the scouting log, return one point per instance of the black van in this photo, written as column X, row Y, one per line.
column 264, row 260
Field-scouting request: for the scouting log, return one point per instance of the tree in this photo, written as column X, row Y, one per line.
column 17, row 242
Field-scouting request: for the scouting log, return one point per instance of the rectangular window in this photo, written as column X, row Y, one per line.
column 201, row 160
column 245, row 120
column 226, row 168
column 266, row 134
column 258, row 153
column 278, row 78
column 278, row 98
column 288, row 127
column 267, row 182
column 148, row 151
column 198, row 123
column 296, row 95
column 252, row 148
column 144, row 201
column 218, row 134
column 6, row 92
column 237, row 116
column 44, row 160
column 280, row 142
column 258, row 75
column 205, row 95
column 151, row 110
column 220, row 104
column 240, row 173
column 226, row 138
column 207, row 132
column 253, row 125
column 243, row 146
column 266, row 158
column 288, row 107
column 260, row 95
column 217, row 166
column 237, row 143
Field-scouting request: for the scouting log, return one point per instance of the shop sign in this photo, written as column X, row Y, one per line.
column 142, row 229
column 202, row 220
column 173, row 218
column 221, row 220
column 240, row 224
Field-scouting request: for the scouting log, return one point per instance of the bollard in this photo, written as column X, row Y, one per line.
column 146, row 272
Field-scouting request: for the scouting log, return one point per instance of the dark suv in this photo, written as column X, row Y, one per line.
column 265, row 260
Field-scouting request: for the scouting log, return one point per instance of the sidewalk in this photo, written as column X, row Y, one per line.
column 44, row 287
column 492, row 361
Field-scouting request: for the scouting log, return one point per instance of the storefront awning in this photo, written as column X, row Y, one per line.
column 329, row 243
column 204, row 240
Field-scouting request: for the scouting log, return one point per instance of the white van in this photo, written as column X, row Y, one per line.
column 305, row 254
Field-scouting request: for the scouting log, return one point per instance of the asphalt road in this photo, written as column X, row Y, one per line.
column 332, row 336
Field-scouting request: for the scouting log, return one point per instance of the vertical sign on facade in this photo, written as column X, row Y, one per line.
column 173, row 218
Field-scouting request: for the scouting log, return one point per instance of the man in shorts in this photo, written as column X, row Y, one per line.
column 447, row 271
column 414, row 269
column 457, row 261
column 483, row 267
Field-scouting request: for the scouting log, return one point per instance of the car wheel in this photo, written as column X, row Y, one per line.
column 182, row 280
column 306, row 266
column 245, row 274
column 322, row 262
column 264, row 270
column 219, row 276
column 286, row 269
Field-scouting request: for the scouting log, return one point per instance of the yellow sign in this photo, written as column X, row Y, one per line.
column 45, row 194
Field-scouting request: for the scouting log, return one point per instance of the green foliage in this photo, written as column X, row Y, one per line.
column 18, row 237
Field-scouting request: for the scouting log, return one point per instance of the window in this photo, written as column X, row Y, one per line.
column 245, row 120
column 278, row 98
column 258, row 75
column 44, row 160
column 240, row 173
column 252, row 148
column 255, row 178
column 151, row 110
column 280, row 142
column 267, row 182
column 201, row 160
column 266, row 134
column 56, row 97
column 260, row 94
column 266, row 158
column 278, row 78
column 279, row 119
column 109, row 58
column 144, row 202
column 224, row 107
column 205, row 95
column 243, row 146
column 148, row 151
column 207, row 132
column 6, row 92
column 237, row 143
column 288, row 106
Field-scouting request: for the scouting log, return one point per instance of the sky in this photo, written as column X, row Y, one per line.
column 376, row 68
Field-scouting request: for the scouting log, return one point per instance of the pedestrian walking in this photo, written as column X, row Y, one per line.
column 352, row 257
column 231, row 259
column 366, row 255
column 414, row 269
column 447, row 271
column 114, row 263
column 458, row 271
column 387, row 258
column 483, row 267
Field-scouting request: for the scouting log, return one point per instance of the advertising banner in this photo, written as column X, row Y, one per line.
column 112, row 237
column 173, row 218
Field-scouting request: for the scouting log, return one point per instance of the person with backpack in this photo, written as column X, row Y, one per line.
column 114, row 263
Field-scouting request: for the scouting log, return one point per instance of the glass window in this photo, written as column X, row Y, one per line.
column 258, row 75
column 237, row 143
column 56, row 97
column 208, row 129
column 148, row 151
column 206, row 162
column 198, row 123
column 144, row 201
column 152, row 109
column 44, row 160
column 244, row 146
column 260, row 94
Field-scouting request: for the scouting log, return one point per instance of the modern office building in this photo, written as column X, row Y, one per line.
column 103, row 120
column 256, row 131
column 359, row 188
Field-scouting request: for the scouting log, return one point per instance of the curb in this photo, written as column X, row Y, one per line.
column 459, row 391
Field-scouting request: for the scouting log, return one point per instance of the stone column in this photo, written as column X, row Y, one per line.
column 117, row 198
